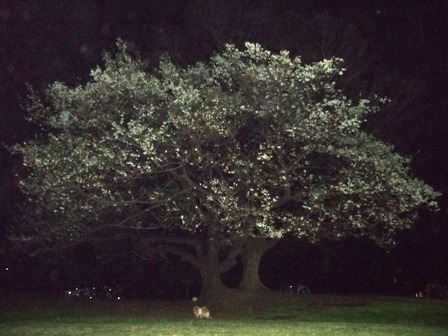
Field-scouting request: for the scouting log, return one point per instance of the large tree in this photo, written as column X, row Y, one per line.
column 212, row 162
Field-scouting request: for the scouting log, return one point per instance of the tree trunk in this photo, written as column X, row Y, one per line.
column 252, row 252
column 214, row 294
column 211, row 265
column 210, row 277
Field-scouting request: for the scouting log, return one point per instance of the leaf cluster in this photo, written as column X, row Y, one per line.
column 251, row 143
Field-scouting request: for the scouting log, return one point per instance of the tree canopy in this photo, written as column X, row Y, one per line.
column 252, row 144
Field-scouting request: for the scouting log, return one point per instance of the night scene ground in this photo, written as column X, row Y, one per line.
column 391, row 48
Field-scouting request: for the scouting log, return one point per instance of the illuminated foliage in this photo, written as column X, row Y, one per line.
column 251, row 144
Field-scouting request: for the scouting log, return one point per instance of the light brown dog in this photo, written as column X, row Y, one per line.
column 201, row 312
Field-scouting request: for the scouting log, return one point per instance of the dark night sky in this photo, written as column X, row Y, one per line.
column 43, row 41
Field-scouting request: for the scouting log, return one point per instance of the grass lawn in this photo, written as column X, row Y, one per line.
column 274, row 315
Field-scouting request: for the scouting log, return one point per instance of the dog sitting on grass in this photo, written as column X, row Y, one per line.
column 201, row 312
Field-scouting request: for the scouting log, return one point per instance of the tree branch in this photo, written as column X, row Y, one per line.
column 178, row 251
column 235, row 250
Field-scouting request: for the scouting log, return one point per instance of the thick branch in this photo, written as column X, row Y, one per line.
column 167, row 242
column 178, row 251
column 174, row 240
column 235, row 250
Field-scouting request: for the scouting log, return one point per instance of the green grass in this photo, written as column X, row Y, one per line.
column 276, row 315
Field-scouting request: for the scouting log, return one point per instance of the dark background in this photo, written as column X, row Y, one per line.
column 395, row 48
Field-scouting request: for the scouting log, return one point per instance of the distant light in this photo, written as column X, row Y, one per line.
column 84, row 49
column 6, row 268
column 10, row 68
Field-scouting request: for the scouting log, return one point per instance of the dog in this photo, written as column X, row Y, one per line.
column 201, row 312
